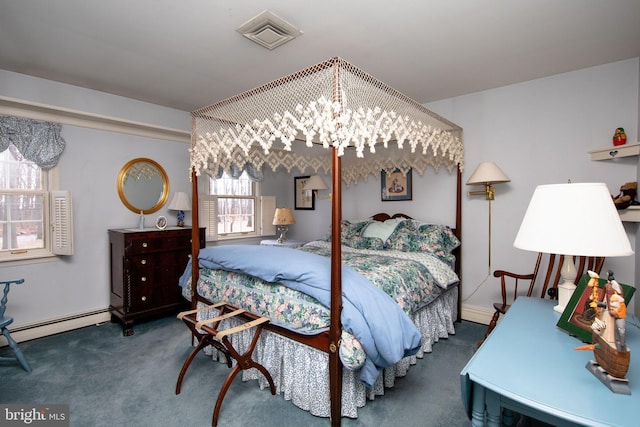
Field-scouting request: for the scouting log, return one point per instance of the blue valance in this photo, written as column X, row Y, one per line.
column 234, row 171
column 39, row 142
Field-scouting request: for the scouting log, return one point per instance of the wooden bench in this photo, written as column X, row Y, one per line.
column 207, row 332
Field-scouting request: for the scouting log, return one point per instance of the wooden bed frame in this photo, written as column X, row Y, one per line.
column 327, row 341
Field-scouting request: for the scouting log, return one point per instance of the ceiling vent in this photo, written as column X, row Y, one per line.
column 269, row 30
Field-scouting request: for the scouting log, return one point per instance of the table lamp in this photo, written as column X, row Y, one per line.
column 180, row 203
column 282, row 219
column 574, row 219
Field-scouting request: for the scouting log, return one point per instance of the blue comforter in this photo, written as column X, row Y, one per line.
column 384, row 330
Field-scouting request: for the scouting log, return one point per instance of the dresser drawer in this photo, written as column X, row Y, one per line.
column 162, row 242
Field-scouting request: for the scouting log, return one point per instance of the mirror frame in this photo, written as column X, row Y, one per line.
column 121, row 178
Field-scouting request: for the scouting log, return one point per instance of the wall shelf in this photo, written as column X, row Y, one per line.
column 614, row 152
column 630, row 214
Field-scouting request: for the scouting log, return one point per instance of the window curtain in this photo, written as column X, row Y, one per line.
column 37, row 141
column 235, row 172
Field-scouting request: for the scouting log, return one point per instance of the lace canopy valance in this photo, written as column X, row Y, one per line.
column 37, row 141
column 330, row 105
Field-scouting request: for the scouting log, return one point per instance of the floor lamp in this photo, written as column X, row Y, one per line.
column 487, row 173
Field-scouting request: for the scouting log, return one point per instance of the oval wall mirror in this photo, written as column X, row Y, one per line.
column 143, row 186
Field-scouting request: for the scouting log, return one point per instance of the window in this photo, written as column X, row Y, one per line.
column 236, row 204
column 33, row 221
column 233, row 208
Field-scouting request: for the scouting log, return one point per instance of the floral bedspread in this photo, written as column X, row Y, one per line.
column 412, row 279
column 407, row 277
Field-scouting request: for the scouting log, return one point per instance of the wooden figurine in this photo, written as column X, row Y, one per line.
column 619, row 137
column 608, row 336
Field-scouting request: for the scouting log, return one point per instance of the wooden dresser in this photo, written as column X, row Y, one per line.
column 145, row 268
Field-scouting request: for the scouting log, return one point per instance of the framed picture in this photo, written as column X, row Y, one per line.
column 396, row 185
column 578, row 315
column 303, row 199
column 161, row 223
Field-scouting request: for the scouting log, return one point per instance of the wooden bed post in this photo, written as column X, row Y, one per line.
column 458, row 268
column 195, row 237
column 335, row 329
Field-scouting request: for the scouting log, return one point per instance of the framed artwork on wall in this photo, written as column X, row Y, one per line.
column 396, row 185
column 577, row 317
column 303, row 199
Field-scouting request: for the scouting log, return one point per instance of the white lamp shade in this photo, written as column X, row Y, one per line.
column 283, row 216
column 180, row 202
column 315, row 182
column 487, row 173
column 573, row 219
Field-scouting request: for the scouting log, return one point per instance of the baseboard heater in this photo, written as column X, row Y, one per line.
column 56, row 326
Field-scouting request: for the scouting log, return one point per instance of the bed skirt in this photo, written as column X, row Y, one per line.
column 301, row 373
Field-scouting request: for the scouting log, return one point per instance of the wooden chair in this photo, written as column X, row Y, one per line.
column 5, row 321
column 510, row 282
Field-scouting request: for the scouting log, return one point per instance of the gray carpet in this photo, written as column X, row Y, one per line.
column 111, row 380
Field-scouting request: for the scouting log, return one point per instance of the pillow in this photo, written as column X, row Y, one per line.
column 352, row 236
column 348, row 231
column 413, row 236
column 439, row 235
column 361, row 242
column 382, row 230
column 402, row 237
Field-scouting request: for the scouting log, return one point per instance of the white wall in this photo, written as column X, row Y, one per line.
column 89, row 168
column 538, row 132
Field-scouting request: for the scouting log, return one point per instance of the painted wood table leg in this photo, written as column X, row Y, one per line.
column 478, row 404
column 494, row 410
column 507, row 417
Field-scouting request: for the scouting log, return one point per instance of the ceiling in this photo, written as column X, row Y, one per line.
column 187, row 54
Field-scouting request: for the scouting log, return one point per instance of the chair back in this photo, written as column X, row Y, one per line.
column 546, row 272
column 5, row 294
column 552, row 274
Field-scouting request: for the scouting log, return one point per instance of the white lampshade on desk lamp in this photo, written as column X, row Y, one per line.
column 573, row 220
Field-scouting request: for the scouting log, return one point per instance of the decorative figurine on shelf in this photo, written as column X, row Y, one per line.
column 608, row 336
column 627, row 196
column 619, row 137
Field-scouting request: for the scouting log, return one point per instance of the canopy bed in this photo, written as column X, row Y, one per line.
column 331, row 107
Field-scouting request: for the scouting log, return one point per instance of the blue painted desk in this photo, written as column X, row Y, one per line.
column 527, row 365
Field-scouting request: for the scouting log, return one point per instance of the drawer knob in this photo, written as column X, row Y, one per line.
column 143, row 262
column 143, row 278
column 144, row 245
column 143, row 298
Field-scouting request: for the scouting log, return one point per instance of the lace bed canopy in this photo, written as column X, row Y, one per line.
column 347, row 112
column 332, row 104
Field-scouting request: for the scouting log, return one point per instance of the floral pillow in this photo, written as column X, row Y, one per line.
column 361, row 242
column 401, row 238
column 352, row 236
column 348, row 231
column 412, row 236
